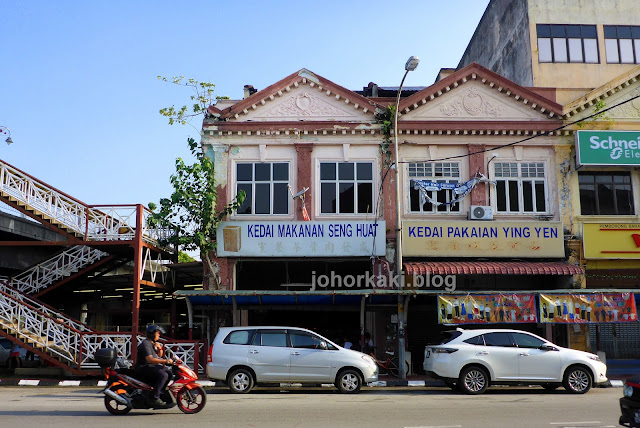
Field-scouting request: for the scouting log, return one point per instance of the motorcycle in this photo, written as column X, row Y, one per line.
column 124, row 392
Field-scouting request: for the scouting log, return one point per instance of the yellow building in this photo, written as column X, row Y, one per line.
column 586, row 53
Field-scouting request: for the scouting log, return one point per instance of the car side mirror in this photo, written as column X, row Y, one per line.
column 548, row 348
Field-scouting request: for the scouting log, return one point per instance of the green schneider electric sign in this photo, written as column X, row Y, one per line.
column 608, row 148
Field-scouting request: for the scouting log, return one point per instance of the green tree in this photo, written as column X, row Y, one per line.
column 190, row 211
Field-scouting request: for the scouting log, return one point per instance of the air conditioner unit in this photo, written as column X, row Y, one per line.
column 477, row 212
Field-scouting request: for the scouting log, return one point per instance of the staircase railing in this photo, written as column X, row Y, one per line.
column 60, row 266
column 74, row 348
column 42, row 307
column 89, row 222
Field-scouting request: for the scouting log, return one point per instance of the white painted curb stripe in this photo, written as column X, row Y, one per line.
column 69, row 383
column 416, row 383
column 378, row 383
column 29, row 382
column 102, row 383
column 206, row 383
column 617, row 383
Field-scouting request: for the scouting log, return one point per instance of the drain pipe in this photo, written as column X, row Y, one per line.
column 362, row 320
column 190, row 315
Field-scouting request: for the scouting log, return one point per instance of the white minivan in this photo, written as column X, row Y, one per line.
column 244, row 356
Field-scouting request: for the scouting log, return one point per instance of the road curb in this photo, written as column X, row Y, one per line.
column 212, row 384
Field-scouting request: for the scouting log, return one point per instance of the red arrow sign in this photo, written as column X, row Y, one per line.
column 636, row 239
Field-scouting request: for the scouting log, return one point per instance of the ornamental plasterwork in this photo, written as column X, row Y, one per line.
column 304, row 104
column 472, row 103
column 627, row 110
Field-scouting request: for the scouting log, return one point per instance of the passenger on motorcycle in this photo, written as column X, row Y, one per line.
column 150, row 363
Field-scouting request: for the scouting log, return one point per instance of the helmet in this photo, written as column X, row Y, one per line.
column 151, row 330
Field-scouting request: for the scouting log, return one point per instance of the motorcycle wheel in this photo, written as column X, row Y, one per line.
column 114, row 407
column 191, row 400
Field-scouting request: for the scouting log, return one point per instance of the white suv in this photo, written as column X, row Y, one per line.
column 473, row 359
column 244, row 356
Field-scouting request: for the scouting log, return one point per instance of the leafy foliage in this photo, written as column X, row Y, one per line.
column 201, row 99
column 184, row 257
column 385, row 119
column 190, row 211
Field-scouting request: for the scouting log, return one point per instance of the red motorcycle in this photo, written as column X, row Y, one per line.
column 124, row 392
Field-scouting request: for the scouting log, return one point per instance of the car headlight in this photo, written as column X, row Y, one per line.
column 628, row 391
column 369, row 360
column 594, row 357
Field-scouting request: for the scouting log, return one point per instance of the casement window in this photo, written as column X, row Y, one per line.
column 346, row 187
column 265, row 185
column 605, row 193
column 622, row 43
column 439, row 172
column 521, row 187
column 567, row 43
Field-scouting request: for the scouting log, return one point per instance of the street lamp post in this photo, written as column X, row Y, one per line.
column 5, row 131
column 411, row 65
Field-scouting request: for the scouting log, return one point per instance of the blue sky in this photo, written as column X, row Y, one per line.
column 79, row 92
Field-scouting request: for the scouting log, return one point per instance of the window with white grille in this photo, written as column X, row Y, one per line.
column 521, row 187
column 439, row 172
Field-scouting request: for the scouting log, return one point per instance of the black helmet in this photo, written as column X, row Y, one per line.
column 151, row 330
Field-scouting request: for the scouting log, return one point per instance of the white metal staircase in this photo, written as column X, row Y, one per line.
column 66, row 342
column 58, row 267
column 86, row 222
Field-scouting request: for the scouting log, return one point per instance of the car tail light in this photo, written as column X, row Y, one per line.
column 209, row 358
column 444, row 350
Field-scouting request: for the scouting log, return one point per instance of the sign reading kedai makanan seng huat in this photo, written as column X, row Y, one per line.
column 608, row 148
column 301, row 238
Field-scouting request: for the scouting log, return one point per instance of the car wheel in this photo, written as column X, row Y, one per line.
column 349, row 381
column 577, row 380
column 550, row 386
column 473, row 380
column 240, row 381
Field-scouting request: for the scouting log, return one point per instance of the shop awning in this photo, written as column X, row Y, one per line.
column 290, row 297
column 492, row 267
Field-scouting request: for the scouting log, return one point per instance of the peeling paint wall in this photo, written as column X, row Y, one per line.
column 501, row 41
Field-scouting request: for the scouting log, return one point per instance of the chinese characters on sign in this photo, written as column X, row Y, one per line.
column 586, row 308
column 486, row 309
column 484, row 239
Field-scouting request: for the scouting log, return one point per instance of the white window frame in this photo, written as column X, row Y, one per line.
column 434, row 194
column 253, row 182
column 520, row 181
column 373, row 181
column 614, row 47
column 572, row 49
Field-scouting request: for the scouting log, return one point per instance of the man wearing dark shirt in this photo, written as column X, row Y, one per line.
column 150, row 366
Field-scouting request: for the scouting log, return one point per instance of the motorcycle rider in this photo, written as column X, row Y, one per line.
column 151, row 366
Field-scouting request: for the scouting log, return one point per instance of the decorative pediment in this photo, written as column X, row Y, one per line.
column 473, row 101
column 617, row 91
column 627, row 98
column 306, row 103
column 301, row 96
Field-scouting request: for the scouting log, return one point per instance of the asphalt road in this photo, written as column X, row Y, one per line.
column 391, row 407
